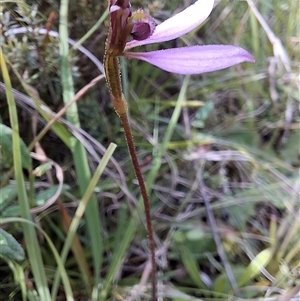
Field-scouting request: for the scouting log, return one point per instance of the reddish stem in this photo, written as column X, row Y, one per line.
column 138, row 173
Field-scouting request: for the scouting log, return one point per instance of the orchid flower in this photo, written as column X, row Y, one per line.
column 183, row 60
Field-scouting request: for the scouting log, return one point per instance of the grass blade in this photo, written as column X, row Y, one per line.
column 32, row 244
column 78, row 151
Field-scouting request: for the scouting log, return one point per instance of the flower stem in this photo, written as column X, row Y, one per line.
column 138, row 173
column 112, row 72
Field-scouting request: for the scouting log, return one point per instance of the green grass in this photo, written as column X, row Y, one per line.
column 230, row 138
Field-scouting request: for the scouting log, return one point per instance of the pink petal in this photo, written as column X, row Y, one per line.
column 194, row 59
column 179, row 24
column 114, row 8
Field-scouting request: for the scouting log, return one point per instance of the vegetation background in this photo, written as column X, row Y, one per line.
column 231, row 153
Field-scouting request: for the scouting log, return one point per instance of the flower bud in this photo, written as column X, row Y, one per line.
column 143, row 25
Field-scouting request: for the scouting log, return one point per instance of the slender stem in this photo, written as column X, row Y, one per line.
column 112, row 72
column 138, row 173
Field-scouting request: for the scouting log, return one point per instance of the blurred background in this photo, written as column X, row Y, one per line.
column 232, row 153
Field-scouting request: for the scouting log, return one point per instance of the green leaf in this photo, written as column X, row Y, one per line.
column 241, row 134
column 42, row 197
column 191, row 265
column 42, row 169
column 6, row 149
column 9, row 248
column 196, row 241
column 11, row 211
column 202, row 114
column 255, row 267
column 239, row 215
column 195, row 234
column 8, row 193
column 222, row 284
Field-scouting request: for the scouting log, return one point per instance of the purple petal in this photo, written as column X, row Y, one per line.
column 194, row 59
column 179, row 24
